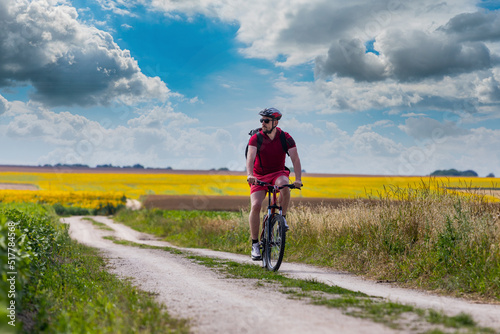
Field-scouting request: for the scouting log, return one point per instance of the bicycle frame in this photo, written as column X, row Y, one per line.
column 271, row 194
column 273, row 233
column 272, row 202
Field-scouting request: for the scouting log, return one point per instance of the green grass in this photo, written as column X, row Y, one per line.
column 107, row 209
column 99, row 225
column 63, row 287
column 430, row 240
column 198, row 229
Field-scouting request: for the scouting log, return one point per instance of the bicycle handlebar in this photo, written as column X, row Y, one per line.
column 269, row 185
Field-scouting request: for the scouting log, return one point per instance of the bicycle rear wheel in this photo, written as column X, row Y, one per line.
column 275, row 242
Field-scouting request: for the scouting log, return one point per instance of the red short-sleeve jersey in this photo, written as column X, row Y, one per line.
column 271, row 156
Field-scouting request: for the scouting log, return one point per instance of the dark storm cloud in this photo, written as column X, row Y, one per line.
column 417, row 55
column 405, row 56
column 456, row 105
column 331, row 20
column 411, row 55
column 478, row 26
column 349, row 59
column 67, row 62
column 321, row 23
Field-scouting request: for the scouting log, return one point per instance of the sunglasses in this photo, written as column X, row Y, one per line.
column 262, row 120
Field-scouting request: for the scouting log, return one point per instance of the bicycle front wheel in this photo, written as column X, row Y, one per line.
column 275, row 248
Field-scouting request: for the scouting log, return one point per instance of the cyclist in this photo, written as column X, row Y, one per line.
column 266, row 162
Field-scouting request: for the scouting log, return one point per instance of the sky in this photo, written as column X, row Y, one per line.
column 393, row 87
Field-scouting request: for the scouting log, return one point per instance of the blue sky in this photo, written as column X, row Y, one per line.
column 370, row 87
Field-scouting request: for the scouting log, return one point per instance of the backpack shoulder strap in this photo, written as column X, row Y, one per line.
column 260, row 139
column 283, row 142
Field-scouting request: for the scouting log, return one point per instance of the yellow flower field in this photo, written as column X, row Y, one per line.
column 89, row 189
column 81, row 199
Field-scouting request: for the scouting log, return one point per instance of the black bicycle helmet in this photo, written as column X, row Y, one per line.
column 271, row 112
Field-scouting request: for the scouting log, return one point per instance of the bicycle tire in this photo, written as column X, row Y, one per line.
column 274, row 248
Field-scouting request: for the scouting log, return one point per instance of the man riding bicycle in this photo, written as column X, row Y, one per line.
column 266, row 162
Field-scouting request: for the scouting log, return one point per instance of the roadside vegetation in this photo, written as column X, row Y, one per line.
column 428, row 238
column 63, row 287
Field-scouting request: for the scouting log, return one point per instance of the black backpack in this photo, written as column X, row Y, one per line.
column 260, row 139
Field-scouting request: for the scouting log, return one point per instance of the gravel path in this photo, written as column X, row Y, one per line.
column 218, row 304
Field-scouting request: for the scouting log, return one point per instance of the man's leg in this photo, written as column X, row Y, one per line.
column 284, row 193
column 254, row 218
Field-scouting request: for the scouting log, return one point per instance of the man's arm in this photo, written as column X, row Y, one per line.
column 297, row 167
column 252, row 153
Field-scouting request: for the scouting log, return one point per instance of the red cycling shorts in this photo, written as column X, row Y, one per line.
column 268, row 178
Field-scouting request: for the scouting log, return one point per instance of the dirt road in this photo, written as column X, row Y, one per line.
column 218, row 304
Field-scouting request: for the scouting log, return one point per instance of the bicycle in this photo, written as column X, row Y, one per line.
column 273, row 235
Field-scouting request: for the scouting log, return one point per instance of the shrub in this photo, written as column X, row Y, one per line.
column 35, row 238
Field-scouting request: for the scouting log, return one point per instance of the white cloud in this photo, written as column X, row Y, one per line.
column 299, row 98
column 4, row 104
column 362, row 152
column 413, row 114
column 68, row 62
column 159, row 117
column 53, row 128
column 384, row 123
column 118, row 7
column 427, row 128
column 368, row 152
column 157, row 137
column 292, row 124
column 372, row 143
column 345, row 94
column 474, row 150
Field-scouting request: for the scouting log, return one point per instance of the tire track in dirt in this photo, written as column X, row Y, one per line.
column 215, row 303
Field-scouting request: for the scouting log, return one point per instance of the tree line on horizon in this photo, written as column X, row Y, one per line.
column 454, row 172
column 136, row 166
